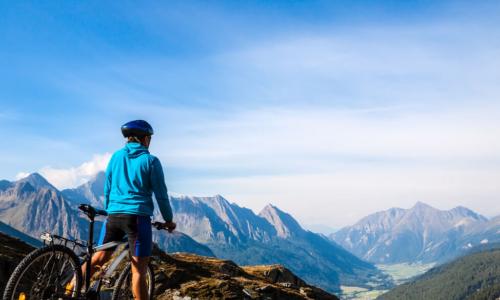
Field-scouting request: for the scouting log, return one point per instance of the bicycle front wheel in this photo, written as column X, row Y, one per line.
column 123, row 286
column 50, row 272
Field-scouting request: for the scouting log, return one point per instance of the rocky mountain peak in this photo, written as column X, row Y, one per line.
column 24, row 188
column 465, row 212
column 286, row 226
column 222, row 208
column 99, row 177
column 91, row 191
column 218, row 202
column 421, row 206
column 37, row 181
column 219, row 219
column 420, row 233
column 96, row 184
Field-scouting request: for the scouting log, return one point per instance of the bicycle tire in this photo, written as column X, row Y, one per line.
column 14, row 288
column 122, row 287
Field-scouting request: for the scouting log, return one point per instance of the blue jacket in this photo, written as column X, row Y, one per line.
column 132, row 176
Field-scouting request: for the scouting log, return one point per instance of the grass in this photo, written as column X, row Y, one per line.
column 359, row 293
column 402, row 272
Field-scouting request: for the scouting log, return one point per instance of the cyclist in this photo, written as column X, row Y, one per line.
column 132, row 176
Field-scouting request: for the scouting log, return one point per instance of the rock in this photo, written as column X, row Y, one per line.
column 277, row 274
column 199, row 277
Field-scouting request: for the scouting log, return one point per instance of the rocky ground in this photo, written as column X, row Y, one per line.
column 188, row 276
column 12, row 251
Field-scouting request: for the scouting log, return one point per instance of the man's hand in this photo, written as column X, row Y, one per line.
column 170, row 226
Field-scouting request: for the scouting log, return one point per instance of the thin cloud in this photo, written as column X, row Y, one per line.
column 368, row 66
column 351, row 162
column 278, row 136
column 21, row 175
column 343, row 196
column 72, row 177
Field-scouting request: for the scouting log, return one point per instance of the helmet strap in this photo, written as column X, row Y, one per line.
column 134, row 139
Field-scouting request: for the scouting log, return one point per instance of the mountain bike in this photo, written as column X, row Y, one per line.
column 54, row 271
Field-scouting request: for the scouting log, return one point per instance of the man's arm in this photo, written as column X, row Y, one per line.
column 107, row 186
column 160, row 190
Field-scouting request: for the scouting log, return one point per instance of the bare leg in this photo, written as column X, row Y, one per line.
column 98, row 259
column 139, row 271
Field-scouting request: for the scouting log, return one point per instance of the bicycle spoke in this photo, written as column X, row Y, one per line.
column 39, row 278
column 42, row 279
column 43, row 270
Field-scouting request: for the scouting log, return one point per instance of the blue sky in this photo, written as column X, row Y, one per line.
column 329, row 109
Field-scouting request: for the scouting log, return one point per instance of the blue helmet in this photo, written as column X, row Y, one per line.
column 137, row 128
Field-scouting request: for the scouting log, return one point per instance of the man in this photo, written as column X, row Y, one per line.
column 132, row 176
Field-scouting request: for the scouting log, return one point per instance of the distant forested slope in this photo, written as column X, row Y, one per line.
column 475, row 276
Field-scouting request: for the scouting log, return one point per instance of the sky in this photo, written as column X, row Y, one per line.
column 330, row 110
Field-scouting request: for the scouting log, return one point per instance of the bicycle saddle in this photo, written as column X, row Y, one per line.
column 91, row 211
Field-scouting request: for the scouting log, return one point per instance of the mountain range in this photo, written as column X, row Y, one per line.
column 206, row 225
column 419, row 234
column 272, row 236
column 32, row 206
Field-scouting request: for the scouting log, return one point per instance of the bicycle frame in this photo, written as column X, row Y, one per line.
column 108, row 272
column 116, row 262
column 91, row 250
column 104, row 276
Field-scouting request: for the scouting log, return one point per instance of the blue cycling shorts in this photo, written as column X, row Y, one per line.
column 137, row 228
